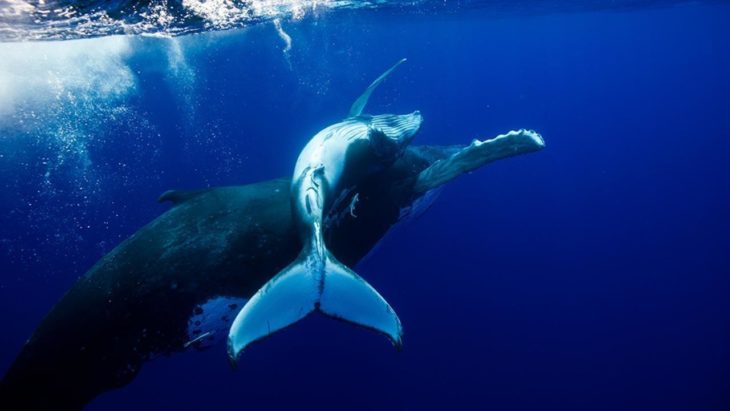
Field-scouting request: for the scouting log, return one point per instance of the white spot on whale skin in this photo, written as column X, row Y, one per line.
column 211, row 320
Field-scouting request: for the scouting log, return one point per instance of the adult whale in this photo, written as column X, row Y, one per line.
column 333, row 161
column 160, row 291
column 211, row 245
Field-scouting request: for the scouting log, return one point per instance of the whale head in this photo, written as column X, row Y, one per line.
column 390, row 134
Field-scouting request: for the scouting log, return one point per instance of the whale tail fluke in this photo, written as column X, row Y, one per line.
column 347, row 296
column 306, row 285
column 284, row 300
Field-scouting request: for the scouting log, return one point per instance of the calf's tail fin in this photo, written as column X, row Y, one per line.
column 348, row 297
column 309, row 284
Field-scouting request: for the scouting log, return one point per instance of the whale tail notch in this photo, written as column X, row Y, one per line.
column 311, row 284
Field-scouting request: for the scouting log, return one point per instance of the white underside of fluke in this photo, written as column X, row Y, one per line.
column 310, row 284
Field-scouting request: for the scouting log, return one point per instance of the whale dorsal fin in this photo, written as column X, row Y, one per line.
column 362, row 101
column 180, row 196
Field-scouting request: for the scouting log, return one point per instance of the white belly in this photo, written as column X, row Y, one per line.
column 328, row 150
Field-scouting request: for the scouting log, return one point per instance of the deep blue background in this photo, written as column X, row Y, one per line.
column 592, row 275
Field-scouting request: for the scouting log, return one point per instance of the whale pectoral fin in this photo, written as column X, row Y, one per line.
column 347, row 296
column 477, row 154
column 284, row 300
column 359, row 105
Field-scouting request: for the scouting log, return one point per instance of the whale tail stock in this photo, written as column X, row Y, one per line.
column 313, row 282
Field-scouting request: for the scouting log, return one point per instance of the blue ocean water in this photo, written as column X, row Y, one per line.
column 590, row 275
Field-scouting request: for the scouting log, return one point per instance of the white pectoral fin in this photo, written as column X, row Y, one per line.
column 284, row 300
column 347, row 296
column 477, row 154
column 359, row 105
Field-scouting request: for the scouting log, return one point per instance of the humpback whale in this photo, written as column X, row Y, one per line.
column 212, row 245
column 335, row 159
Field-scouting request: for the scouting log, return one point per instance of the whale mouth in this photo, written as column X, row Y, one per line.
column 398, row 127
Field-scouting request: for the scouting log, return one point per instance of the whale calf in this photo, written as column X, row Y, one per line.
column 333, row 161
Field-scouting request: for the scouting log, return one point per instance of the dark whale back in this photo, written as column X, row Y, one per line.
column 136, row 301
